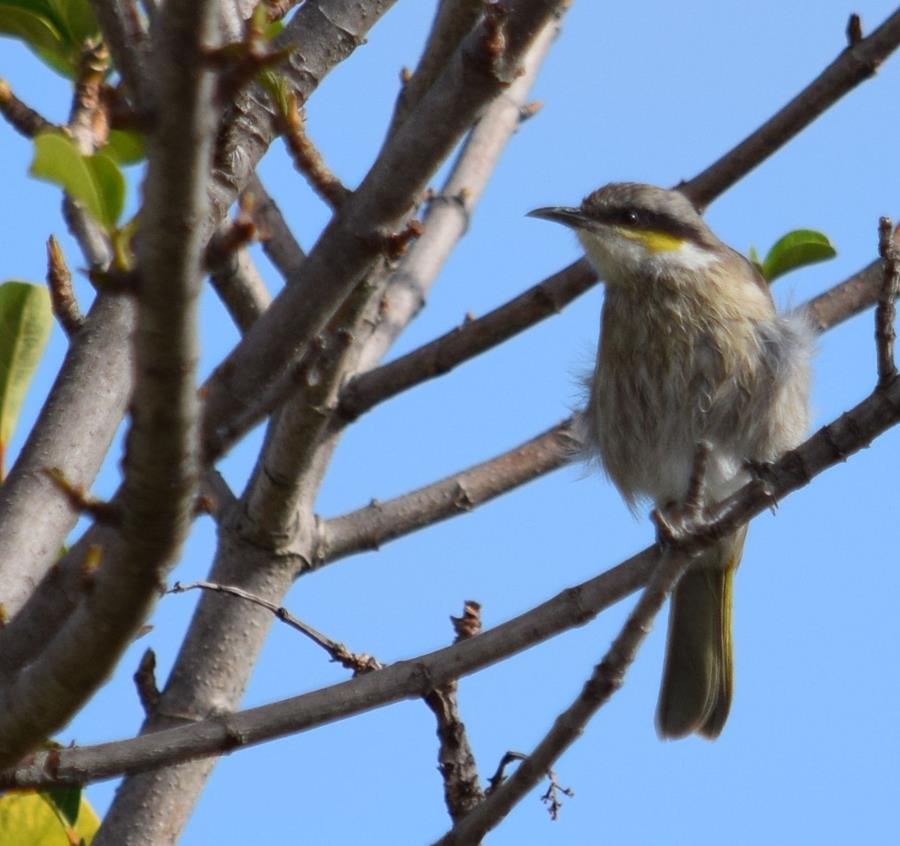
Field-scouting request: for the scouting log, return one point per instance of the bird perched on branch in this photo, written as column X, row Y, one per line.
column 691, row 350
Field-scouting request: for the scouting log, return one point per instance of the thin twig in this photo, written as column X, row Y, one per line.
column 466, row 341
column 499, row 775
column 551, row 797
column 62, row 296
column 886, row 311
column 456, row 760
column 358, row 663
column 278, row 242
column 854, row 65
column 22, row 118
column 307, row 158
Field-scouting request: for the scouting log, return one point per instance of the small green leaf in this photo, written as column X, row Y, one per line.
column 93, row 181
column 38, row 34
column 25, row 320
column 53, row 29
column 276, row 87
column 77, row 20
column 797, row 249
column 271, row 29
column 110, row 184
column 66, row 801
column 125, row 147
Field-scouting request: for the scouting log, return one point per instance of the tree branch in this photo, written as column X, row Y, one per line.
column 378, row 522
column 855, row 64
column 453, row 21
column 278, row 242
column 473, row 337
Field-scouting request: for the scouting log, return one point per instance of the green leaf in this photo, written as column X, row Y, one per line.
column 37, row 33
column 797, row 249
column 53, row 29
column 25, row 320
column 93, row 181
column 77, row 19
column 125, row 147
column 66, row 801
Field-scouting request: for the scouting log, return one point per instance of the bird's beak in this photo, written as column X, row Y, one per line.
column 565, row 215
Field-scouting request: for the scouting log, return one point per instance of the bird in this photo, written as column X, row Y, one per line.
column 692, row 351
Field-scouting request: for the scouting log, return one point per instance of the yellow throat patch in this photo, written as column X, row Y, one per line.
column 654, row 242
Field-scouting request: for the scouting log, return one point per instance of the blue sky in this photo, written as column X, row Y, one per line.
column 647, row 92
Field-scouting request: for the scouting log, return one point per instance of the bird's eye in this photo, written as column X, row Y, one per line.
column 631, row 217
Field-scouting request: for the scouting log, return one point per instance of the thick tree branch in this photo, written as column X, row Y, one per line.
column 161, row 464
column 453, row 21
column 86, row 403
column 257, row 555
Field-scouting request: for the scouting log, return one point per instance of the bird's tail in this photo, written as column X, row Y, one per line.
column 698, row 676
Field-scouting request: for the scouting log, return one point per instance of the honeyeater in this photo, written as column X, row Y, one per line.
column 691, row 350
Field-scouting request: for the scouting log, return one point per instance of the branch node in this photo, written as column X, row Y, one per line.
column 494, row 40
column 100, row 510
column 854, row 30
column 240, row 61
column 233, row 237
column 88, row 110
column 529, row 110
column 500, row 775
column 62, row 296
column 395, row 244
column 469, row 624
column 90, row 564
column 145, row 681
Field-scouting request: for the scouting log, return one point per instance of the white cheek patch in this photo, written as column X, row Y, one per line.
column 691, row 257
